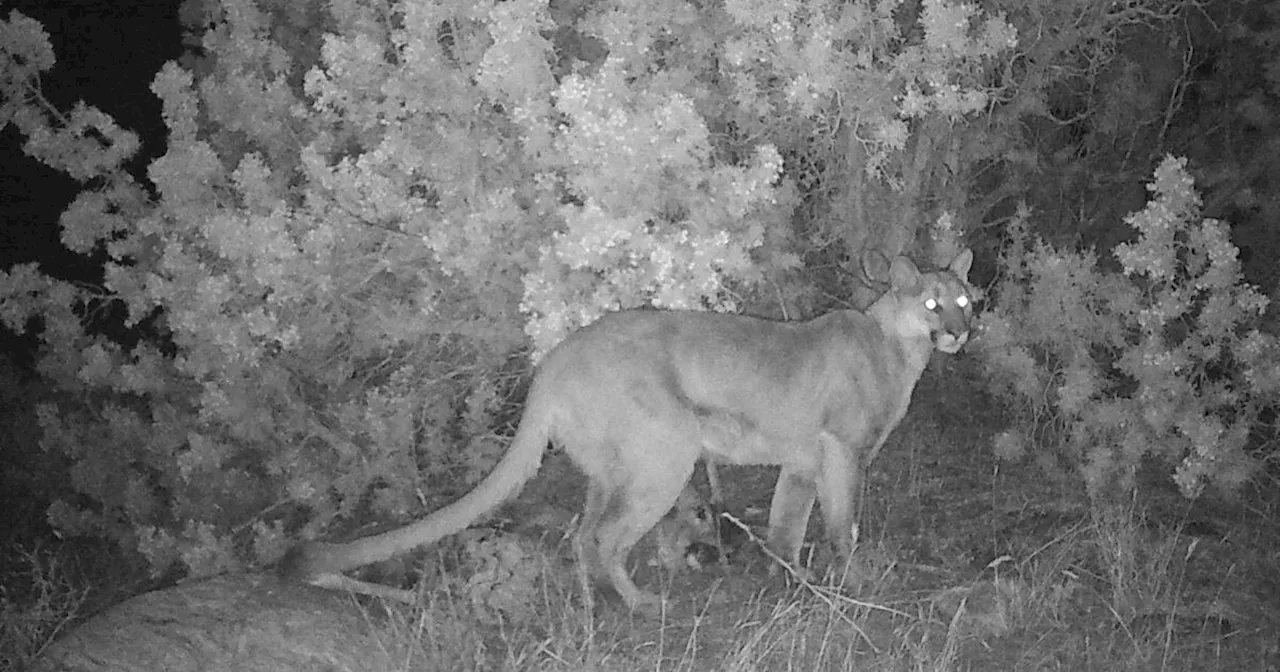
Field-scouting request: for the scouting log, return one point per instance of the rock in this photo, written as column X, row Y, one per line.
column 237, row 622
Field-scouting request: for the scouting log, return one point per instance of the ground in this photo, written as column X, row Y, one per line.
column 964, row 562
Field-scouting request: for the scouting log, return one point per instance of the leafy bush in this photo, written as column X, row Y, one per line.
column 364, row 210
column 1161, row 357
column 341, row 239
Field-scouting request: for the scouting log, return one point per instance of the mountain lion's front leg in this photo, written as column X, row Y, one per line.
column 838, row 480
column 793, row 499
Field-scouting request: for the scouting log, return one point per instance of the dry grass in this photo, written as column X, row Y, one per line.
column 38, row 601
column 1135, row 610
column 967, row 564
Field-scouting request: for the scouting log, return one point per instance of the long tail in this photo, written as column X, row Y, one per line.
column 511, row 473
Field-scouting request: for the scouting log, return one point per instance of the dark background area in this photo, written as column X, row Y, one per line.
column 107, row 54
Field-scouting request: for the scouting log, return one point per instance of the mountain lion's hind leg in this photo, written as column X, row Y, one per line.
column 626, row 511
column 713, row 481
column 598, row 495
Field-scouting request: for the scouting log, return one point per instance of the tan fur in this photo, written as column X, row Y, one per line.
column 639, row 396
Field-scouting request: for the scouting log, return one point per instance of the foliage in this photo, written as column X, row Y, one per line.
column 325, row 272
column 1161, row 358
column 1226, row 126
column 1082, row 113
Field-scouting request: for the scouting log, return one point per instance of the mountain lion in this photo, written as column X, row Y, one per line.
column 637, row 397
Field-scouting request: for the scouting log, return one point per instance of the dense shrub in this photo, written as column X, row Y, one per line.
column 1156, row 355
column 356, row 203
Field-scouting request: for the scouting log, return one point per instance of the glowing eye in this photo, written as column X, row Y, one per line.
column 962, row 301
column 931, row 304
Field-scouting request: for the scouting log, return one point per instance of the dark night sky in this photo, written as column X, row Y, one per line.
column 107, row 53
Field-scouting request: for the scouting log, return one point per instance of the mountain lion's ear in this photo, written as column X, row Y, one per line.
column 904, row 273
column 960, row 265
column 875, row 265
